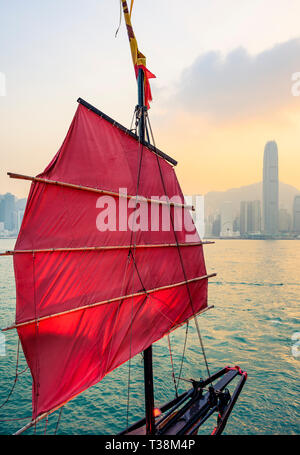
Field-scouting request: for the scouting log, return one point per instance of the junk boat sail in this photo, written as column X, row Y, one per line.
column 94, row 287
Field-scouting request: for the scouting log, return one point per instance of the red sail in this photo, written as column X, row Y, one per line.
column 71, row 335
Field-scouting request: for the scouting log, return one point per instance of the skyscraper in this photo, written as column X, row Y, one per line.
column 243, row 218
column 284, row 221
column 216, row 226
column 250, row 217
column 270, row 189
column 254, row 217
column 226, row 219
column 296, row 214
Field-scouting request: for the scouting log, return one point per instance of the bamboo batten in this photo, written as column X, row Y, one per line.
column 99, row 191
column 105, row 302
column 102, row 248
column 46, row 414
column 31, row 423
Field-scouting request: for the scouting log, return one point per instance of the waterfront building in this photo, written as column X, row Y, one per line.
column 285, row 221
column 296, row 214
column 7, row 211
column 226, row 219
column 250, row 217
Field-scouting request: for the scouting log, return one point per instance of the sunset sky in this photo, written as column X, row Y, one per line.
column 223, row 86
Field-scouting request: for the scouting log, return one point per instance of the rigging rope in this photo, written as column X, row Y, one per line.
column 16, row 377
column 179, row 252
column 120, row 20
column 17, row 374
column 17, row 418
column 136, row 121
column 58, row 420
column 183, row 352
column 134, row 268
column 129, row 366
column 173, row 373
column 46, row 423
column 36, row 382
column 117, row 315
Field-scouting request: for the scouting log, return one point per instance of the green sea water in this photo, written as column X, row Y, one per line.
column 257, row 299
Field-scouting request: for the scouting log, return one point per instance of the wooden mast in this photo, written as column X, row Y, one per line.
column 148, row 371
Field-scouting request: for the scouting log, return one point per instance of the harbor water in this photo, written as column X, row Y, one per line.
column 254, row 324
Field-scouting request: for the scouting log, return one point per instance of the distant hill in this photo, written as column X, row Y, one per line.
column 214, row 199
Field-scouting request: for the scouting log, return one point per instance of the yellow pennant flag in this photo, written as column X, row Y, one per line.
column 131, row 7
column 138, row 59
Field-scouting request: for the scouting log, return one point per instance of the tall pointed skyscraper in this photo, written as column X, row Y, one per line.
column 270, row 189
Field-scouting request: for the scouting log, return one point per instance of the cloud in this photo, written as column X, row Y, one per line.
column 239, row 84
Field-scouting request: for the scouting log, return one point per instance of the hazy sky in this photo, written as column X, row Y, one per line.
column 223, row 84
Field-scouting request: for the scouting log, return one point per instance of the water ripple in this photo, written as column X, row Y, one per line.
column 256, row 312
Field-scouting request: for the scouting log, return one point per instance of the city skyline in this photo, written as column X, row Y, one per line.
column 219, row 95
column 150, row 219
column 11, row 214
column 248, row 219
column 257, row 218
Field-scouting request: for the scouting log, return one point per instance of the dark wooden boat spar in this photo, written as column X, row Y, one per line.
column 96, row 285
